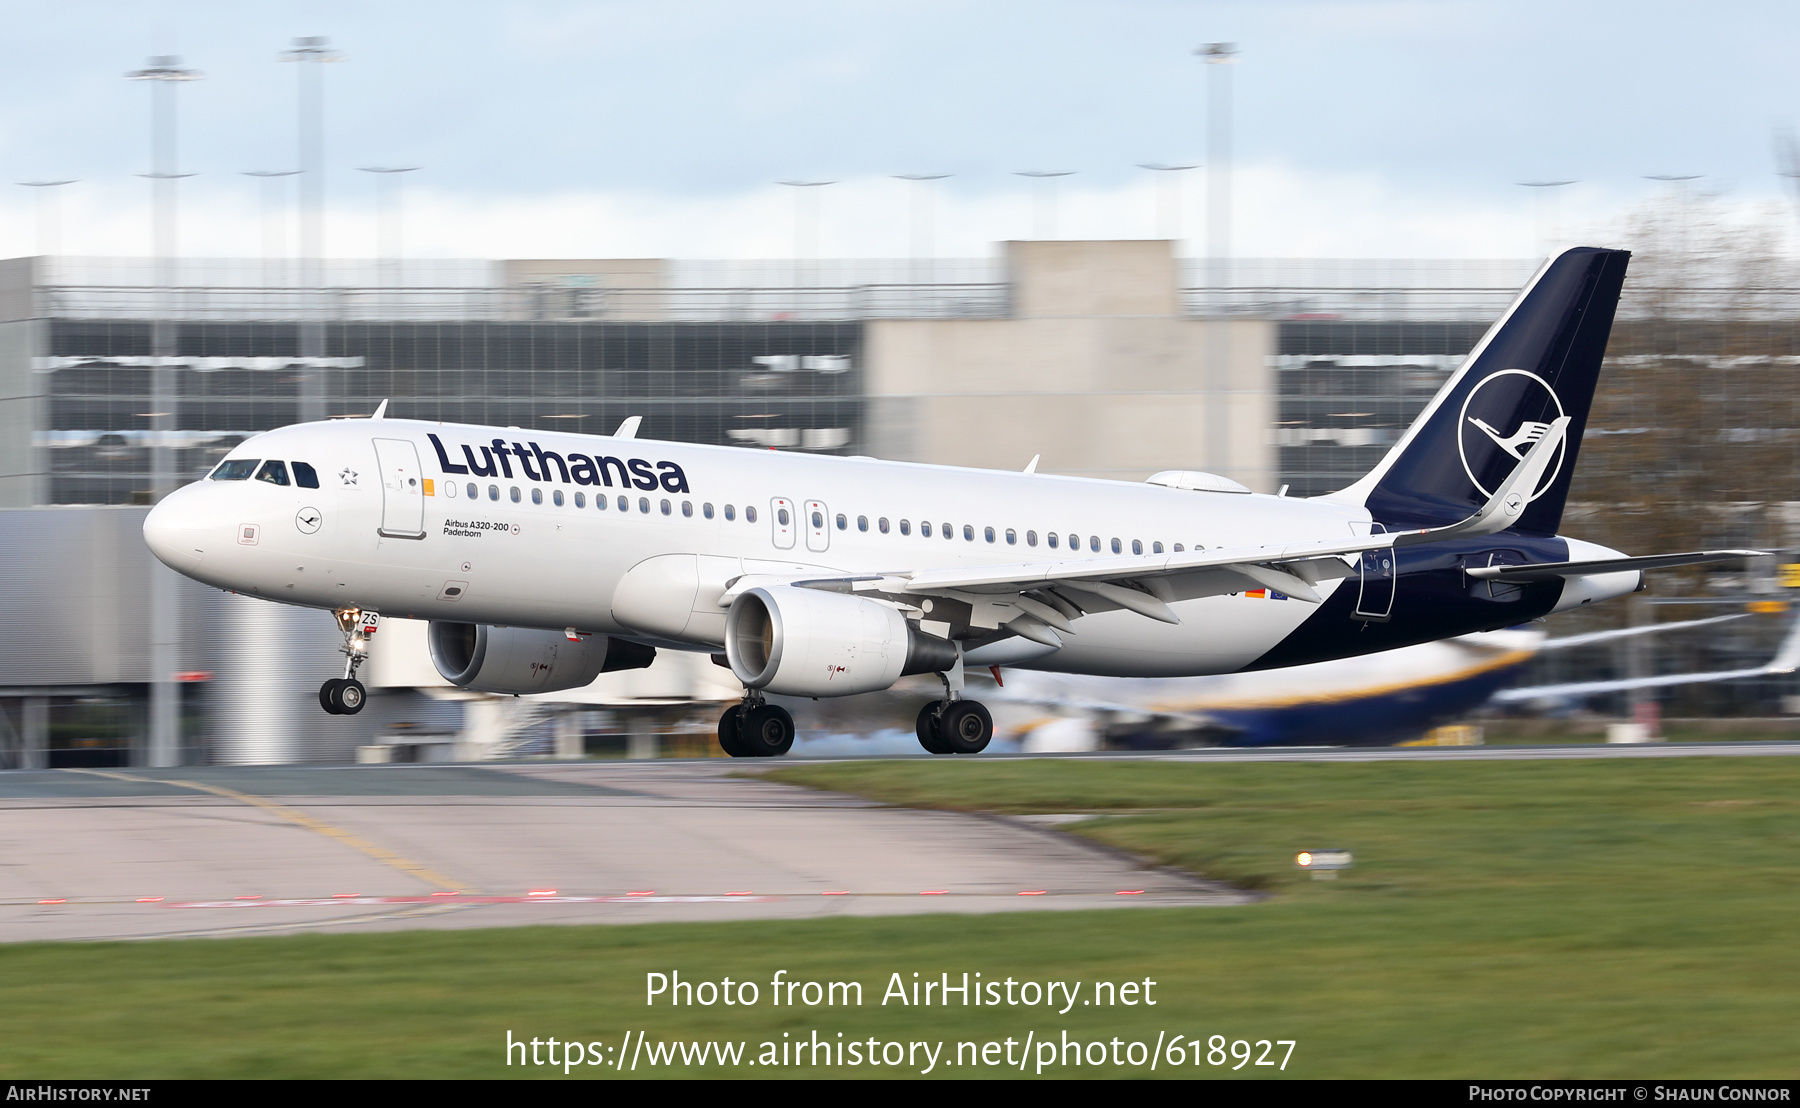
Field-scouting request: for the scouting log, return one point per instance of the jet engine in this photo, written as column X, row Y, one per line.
column 807, row 642
column 519, row 660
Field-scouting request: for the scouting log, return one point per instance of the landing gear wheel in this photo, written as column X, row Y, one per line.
column 351, row 696
column 731, row 726
column 966, row 727
column 328, row 696
column 931, row 736
column 768, row 730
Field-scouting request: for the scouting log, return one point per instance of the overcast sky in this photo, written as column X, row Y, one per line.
column 581, row 129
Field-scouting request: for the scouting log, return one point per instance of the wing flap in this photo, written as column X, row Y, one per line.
column 1546, row 571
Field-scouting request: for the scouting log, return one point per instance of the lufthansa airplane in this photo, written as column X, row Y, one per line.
column 543, row 559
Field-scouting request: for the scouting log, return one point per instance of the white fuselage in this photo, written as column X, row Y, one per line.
column 389, row 530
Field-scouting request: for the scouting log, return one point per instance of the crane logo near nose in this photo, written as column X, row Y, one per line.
column 308, row 520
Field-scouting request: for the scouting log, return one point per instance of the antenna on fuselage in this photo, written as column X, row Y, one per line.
column 1031, row 466
column 628, row 429
column 380, row 410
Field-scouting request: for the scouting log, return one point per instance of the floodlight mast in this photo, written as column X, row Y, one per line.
column 806, row 232
column 164, row 72
column 1043, row 200
column 274, row 235
column 1218, row 57
column 388, row 227
column 1548, row 216
column 49, row 216
column 1168, row 198
column 921, row 244
column 310, row 53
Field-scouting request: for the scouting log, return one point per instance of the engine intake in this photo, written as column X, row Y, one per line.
column 518, row 660
column 806, row 642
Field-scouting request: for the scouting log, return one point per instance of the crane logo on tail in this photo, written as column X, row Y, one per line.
column 1502, row 418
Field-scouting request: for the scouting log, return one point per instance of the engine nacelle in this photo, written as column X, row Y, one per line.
column 518, row 660
column 807, row 642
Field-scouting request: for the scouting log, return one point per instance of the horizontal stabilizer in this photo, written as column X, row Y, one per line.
column 1550, row 570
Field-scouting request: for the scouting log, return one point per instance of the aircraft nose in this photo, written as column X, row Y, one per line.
column 173, row 534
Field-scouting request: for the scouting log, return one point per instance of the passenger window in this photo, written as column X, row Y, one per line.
column 1115, row 546
column 730, row 513
column 275, row 473
column 706, row 509
column 987, row 533
column 1012, row 537
column 687, row 509
column 844, row 525
column 1075, row 542
column 882, row 524
column 308, row 478
column 1031, row 538
column 644, row 504
column 238, row 469
column 1094, row 543
column 581, row 500
column 493, row 492
column 665, row 508
column 968, row 533
column 925, row 528
column 474, row 493
column 1177, row 548
column 600, row 501
column 557, row 498
column 818, row 520
column 781, row 517
column 1052, row 539
column 1137, row 547
column 537, row 496
column 749, row 513
column 624, row 504
column 1156, row 548
column 950, row 532
column 514, row 493
column 905, row 527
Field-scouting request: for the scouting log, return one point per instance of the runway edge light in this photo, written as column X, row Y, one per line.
column 1324, row 864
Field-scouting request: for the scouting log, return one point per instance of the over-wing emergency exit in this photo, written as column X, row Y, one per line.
column 543, row 559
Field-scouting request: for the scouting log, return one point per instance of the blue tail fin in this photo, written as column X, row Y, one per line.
column 1540, row 361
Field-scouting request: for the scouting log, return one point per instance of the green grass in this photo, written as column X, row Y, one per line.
column 1534, row 919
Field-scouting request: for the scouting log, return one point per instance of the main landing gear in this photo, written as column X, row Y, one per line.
column 345, row 696
column 954, row 725
column 756, row 729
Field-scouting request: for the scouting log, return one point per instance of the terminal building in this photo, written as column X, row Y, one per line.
column 1103, row 359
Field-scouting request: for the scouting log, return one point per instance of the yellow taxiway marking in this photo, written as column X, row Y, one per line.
column 301, row 819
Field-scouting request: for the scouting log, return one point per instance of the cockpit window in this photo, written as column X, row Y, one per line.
column 305, row 476
column 275, row 473
column 235, row 469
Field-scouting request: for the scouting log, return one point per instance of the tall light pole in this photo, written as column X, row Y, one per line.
column 1168, row 197
column 387, row 218
column 920, row 187
column 806, row 229
column 1043, row 200
column 1678, row 184
column 164, row 72
column 274, row 235
column 310, row 54
column 1548, row 217
column 49, row 216
column 1217, row 57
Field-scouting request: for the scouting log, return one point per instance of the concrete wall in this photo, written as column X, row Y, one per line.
column 1096, row 370
column 23, row 481
column 595, row 288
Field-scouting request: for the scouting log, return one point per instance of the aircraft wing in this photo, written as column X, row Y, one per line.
column 1786, row 660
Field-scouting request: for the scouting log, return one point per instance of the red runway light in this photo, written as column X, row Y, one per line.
column 148, row 899
column 1129, row 892
column 542, row 892
column 255, row 896
column 448, row 893
column 740, row 892
column 1035, row 892
column 643, row 892
column 54, row 900
column 933, row 892
column 344, row 896
column 836, row 892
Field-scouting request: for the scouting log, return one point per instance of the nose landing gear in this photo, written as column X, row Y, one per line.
column 756, row 729
column 345, row 696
